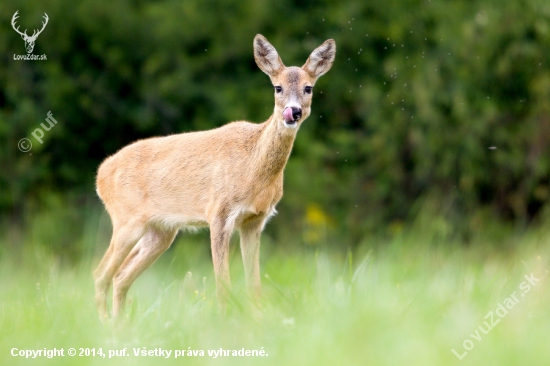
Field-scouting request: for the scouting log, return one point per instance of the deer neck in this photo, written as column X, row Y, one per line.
column 273, row 149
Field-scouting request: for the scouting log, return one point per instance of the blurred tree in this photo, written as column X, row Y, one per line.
column 446, row 97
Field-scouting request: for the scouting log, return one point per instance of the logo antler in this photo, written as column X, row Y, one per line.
column 13, row 19
column 29, row 41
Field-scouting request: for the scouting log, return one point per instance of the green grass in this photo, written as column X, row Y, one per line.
column 407, row 301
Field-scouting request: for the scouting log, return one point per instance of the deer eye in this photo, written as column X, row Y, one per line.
column 278, row 89
column 308, row 89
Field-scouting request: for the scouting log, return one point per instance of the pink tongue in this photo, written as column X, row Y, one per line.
column 287, row 115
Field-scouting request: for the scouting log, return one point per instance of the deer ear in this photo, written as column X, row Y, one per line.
column 266, row 56
column 321, row 59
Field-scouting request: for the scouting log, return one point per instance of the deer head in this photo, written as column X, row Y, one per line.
column 29, row 41
column 293, row 85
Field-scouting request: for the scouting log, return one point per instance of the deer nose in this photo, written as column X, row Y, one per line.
column 292, row 114
column 296, row 113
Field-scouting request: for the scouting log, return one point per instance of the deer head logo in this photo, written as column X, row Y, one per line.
column 29, row 41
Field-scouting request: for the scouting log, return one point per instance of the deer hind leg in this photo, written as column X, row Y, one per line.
column 102, row 284
column 220, row 234
column 154, row 242
column 250, row 248
column 123, row 240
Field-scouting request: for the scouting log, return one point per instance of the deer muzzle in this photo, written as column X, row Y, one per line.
column 292, row 114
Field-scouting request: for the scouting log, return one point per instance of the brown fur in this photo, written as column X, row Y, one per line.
column 226, row 178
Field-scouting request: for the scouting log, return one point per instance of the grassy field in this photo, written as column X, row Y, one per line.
column 409, row 300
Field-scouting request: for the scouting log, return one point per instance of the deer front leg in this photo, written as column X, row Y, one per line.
column 219, row 236
column 250, row 249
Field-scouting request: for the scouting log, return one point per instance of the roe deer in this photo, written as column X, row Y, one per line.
column 227, row 178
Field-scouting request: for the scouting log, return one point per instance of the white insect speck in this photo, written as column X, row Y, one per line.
column 289, row 322
column 492, row 147
column 323, row 20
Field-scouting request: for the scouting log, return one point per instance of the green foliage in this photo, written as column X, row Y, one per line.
column 425, row 99
column 407, row 301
